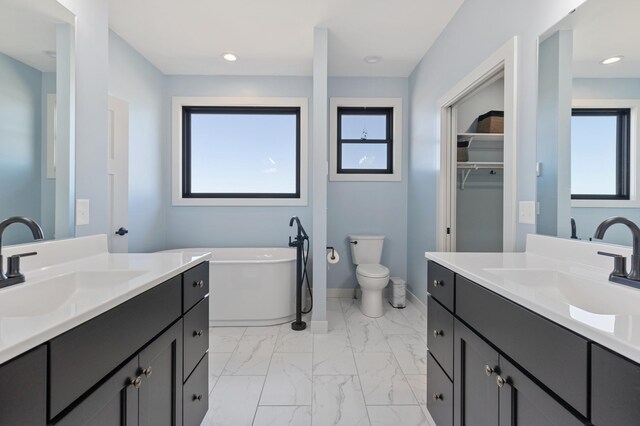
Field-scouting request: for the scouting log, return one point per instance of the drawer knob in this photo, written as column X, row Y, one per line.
column 147, row 371
column 136, row 382
column 197, row 333
column 437, row 283
column 197, row 397
column 488, row 370
column 198, row 284
column 437, row 397
column 500, row 381
column 438, row 333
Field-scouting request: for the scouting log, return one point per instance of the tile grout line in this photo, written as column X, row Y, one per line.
column 264, row 381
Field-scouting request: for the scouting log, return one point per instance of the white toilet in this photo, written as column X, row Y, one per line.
column 366, row 252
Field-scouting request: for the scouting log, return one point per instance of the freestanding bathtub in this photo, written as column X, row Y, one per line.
column 250, row 286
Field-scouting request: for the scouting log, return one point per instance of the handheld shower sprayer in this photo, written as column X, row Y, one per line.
column 301, row 271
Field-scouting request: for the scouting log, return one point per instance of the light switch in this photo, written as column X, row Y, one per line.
column 82, row 212
column 527, row 213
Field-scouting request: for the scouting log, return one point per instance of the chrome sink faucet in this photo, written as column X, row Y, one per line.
column 13, row 275
column 618, row 275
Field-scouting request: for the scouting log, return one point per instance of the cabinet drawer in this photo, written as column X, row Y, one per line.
column 81, row 357
column 553, row 355
column 440, row 284
column 195, row 401
column 615, row 389
column 195, row 285
column 439, row 394
column 440, row 337
column 196, row 335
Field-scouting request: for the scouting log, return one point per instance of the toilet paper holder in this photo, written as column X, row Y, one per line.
column 333, row 252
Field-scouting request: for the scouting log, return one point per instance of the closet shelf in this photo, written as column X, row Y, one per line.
column 479, row 137
column 467, row 167
column 476, row 165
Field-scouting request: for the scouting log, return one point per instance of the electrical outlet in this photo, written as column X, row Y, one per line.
column 82, row 212
column 527, row 214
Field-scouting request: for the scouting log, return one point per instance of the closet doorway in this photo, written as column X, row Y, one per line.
column 476, row 200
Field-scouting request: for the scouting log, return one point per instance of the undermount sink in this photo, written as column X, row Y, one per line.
column 578, row 291
column 72, row 290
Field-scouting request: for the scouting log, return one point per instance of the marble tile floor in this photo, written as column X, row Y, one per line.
column 365, row 371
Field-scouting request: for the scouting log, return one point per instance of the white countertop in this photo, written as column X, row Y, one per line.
column 72, row 281
column 564, row 281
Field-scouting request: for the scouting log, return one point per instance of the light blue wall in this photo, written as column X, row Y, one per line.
column 20, row 144
column 369, row 207
column 48, row 192
column 554, row 134
column 91, row 106
column 136, row 81
column 475, row 32
column 588, row 218
column 230, row 226
column 606, row 88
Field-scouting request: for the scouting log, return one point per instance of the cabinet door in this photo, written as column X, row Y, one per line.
column 524, row 403
column 23, row 389
column 114, row 403
column 475, row 390
column 161, row 371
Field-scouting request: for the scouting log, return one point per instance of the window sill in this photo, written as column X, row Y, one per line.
column 606, row 204
column 238, row 202
column 354, row 177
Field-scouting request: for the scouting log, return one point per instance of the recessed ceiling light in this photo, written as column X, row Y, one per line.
column 372, row 59
column 230, row 57
column 612, row 60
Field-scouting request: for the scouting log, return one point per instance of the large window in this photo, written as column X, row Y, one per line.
column 366, row 139
column 236, row 151
column 600, row 154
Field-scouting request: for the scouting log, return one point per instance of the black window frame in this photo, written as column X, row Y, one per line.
column 388, row 113
column 623, row 151
column 187, row 112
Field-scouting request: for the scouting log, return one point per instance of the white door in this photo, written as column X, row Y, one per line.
column 118, row 175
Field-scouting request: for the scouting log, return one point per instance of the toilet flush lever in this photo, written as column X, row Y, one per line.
column 354, row 242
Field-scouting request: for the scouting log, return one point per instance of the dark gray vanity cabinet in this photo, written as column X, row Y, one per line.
column 615, row 389
column 23, row 389
column 509, row 366
column 476, row 393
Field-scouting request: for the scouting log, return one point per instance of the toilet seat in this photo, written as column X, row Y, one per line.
column 372, row 270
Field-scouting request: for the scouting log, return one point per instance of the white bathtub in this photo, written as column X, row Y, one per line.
column 250, row 286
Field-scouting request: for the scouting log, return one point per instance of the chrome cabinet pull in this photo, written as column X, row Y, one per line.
column 488, row 370
column 198, row 284
column 500, row 381
column 438, row 333
column 197, row 333
column 437, row 397
column 197, row 397
column 437, row 283
column 147, row 371
column 136, row 382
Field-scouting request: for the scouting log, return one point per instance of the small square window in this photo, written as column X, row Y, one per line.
column 364, row 140
column 600, row 144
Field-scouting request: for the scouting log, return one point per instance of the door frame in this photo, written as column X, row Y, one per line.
column 503, row 61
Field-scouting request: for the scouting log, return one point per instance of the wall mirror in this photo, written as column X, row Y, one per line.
column 37, row 117
column 587, row 129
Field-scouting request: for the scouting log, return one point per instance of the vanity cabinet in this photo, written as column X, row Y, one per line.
column 131, row 365
column 23, row 389
column 508, row 365
column 490, row 390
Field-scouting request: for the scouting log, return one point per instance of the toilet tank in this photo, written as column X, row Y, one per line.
column 366, row 248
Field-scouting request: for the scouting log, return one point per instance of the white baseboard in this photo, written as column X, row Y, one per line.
column 340, row 292
column 319, row 327
column 417, row 302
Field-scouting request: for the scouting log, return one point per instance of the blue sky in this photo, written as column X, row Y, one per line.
column 243, row 153
column 364, row 155
column 593, row 155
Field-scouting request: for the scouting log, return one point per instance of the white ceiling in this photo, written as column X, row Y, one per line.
column 28, row 29
column 602, row 29
column 275, row 37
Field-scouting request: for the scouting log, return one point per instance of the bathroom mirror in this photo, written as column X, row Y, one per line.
column 587, row 129
column 37, row 117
